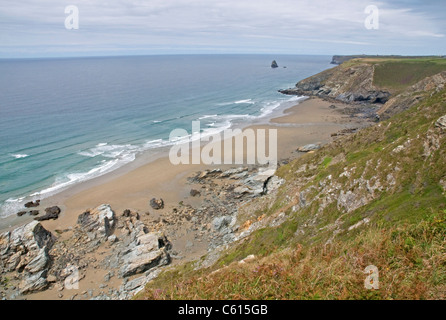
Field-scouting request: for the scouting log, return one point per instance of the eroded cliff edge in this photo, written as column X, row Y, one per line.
column 359, row 81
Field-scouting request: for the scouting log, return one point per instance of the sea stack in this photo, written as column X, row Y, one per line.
column 274, row 64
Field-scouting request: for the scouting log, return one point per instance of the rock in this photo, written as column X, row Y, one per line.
column 274, row 64
column 332, row 106
column 25, row 250
column 195, row 193
column 21, row 213
column 51, row 278
column 221, row 222
column 309, row 147
column 39, row 263
column 257, row 183
column 441, row 123
column 232, row 172
column 147, row 251
column 126, row 213
column 157, row 204
column 51, row 213
column 32, row 204
column 31, row 236
column 141, row 259
column 273, row 183
column 34, row 213
column 112, row 238
column 98, row 222
column 33, row 283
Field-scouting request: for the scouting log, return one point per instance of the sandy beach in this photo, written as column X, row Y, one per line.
column 311, row 121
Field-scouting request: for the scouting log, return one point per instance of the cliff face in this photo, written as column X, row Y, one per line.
column 348, row 84
column 353, row 82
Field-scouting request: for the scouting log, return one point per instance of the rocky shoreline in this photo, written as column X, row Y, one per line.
column 129, row 248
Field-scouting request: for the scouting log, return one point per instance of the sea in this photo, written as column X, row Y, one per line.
column 64, row 121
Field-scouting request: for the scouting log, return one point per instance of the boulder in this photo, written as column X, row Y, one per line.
column 39, row 262
column 21, row 213
column 195, row 193
column 98, row 222
column 308, row 148
column 33, row 282
column 157, row 204
column 50, row 213
column 32, row 204
column 148, row 250
column 34, row 213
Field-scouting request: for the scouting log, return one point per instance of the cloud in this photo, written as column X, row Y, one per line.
column 175, row 26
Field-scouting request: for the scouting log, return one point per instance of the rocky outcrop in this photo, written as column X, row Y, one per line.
column 98, row 223
column 353, row 84
column 274, row 64
column 25, row 251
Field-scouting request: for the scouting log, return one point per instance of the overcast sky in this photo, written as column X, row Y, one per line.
column 36, row 28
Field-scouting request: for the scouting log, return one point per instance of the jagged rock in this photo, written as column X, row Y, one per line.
column 32, row 204
column 233, row 172
column 32, row 237
column 51, row 213
column 98, row 223
column 25, row 249
column 33, row 282
column 147, row 251
column 195, row 193
column 157, row 204
column 309, row 147
column 39, row 262
column 221, row 222
column 273, row 183
column 257, row 183
column 274, row 64
column 141, row 259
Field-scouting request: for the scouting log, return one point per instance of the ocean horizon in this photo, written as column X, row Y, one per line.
column 64, row 121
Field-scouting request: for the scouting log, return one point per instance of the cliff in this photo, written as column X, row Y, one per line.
column 350, row 84
column 373, row 198
column 393, row 85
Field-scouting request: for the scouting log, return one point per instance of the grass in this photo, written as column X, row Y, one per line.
column 410, row 260
column 397, row 74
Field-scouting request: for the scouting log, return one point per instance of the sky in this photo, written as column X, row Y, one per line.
column 37, row 28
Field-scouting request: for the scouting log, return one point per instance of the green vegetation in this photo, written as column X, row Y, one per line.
column 396, row 219
column 399, row 74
